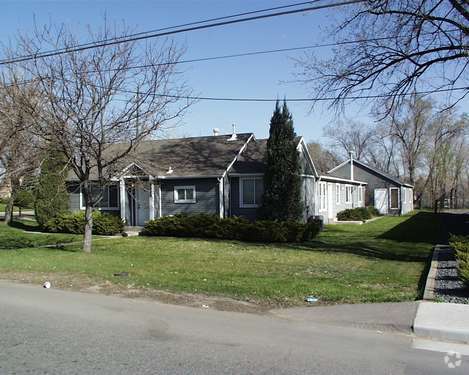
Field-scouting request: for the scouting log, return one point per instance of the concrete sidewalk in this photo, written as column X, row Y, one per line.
column 442, row 321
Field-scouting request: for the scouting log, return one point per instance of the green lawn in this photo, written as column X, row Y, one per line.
column 347, row 263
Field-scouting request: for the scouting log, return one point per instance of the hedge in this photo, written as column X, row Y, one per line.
column 357, row 214
column 103, row 224
column 461, row 246
column 232, row 228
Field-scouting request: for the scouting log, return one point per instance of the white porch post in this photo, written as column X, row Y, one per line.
column 152, row 199
column 122, row 198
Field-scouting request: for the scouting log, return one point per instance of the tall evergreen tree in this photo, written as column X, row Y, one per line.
column 282, row 184
column 50, row 194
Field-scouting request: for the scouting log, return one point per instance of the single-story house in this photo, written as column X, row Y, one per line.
column 219, row 174
column 388, row 194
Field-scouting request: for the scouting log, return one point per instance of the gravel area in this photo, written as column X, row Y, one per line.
column 449, row 288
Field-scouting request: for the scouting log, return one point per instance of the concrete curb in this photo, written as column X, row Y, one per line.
column 442, row 321
column 430, row 283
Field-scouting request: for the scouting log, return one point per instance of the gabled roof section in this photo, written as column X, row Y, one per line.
column 377, row 171
column 252, row 159
column 195, row 157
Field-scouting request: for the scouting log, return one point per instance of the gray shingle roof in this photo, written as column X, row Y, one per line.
column 187, row 157
column 252, row 160
column 385, row 175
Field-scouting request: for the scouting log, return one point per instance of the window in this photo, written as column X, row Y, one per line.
column 394, row 198
column 106, row 198
column 337, row 193
column 322, row 196
column 360, row 194
column 251, row 190
column 348, row 194
column 184, row 194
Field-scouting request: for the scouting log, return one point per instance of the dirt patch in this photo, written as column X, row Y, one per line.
column 83, row 283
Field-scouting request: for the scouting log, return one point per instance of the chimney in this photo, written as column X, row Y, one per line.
column 351, row 165
column 216, row 132
column 233, row 137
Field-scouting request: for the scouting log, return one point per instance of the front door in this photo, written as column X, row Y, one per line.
column 142, row 197
column 381, row 201
column 138, row 204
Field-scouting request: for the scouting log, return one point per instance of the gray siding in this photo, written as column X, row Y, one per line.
column 73, row 190
column 373, row 179
column 206, row 197
column 235, row 209
column 307, row 196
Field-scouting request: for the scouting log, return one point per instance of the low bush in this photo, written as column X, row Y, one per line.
column 461, row 246
column 232, row 228
column 354, row 214
column 68, row 222
column 357, row 214
column 373, row 211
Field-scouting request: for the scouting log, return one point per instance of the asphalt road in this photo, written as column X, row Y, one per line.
column 47, row 331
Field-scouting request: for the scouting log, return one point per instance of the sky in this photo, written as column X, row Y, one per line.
column 269, row 76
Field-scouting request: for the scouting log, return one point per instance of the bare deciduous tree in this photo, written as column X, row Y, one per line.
column 403, row 46
column 93, row 99
column 19, row 148
column 350, row 136
column 324, row 160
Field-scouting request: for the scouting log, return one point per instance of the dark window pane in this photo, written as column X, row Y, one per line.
column 394, row 198
column 113, row 196
column 259, row 190
column 248, row 191
column 189, row 194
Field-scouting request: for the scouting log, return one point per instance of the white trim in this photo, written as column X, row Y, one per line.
column 350, row 195
column 152, row 199
column 221, row 198
column 241, row 150
column 185, row 177
column 390, row 198
column 240, row 182
column 338, row 166
column 122, row 199
column 322, row 196
column 355, row 182
column 188, row 187
column 360, row 195
column 159, row 201
column 305, row 147
column 337, row 193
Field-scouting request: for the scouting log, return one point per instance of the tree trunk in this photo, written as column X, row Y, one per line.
column 11, row 202
column 87, row 239
column 9, row 211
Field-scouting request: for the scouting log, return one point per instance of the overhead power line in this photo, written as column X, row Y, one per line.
column 181, row 30
column 174, row 27
column 319, row 99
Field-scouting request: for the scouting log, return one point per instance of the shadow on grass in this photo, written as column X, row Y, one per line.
column 428, row 227
column 27, row 225
column 362, row 249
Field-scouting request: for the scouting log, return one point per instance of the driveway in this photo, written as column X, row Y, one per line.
column 60, row 332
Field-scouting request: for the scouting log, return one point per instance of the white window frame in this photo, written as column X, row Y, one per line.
column 350, row 198
column 185, row 187
column 390, row 198
column 360, row 194
column 322, row 196
column 337, row 193
column 241, row 192
column 117, row 208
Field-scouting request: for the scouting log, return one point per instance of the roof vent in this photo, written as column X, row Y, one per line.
column 233, row 137
column 216, row 132
column 170, row 170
